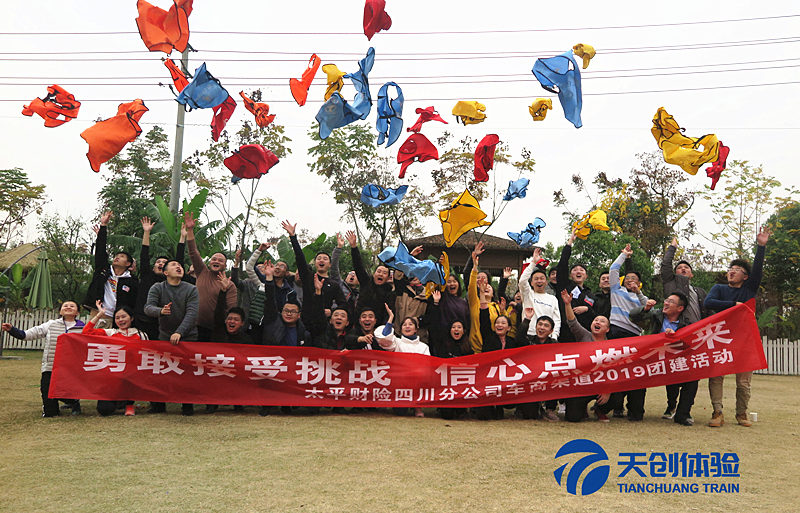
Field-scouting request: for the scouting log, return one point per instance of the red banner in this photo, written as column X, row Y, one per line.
column 95, row 367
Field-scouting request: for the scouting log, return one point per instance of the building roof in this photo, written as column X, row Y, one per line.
column 470, row 239
column 7, row 258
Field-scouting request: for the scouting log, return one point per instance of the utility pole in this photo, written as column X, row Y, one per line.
column 177, row 163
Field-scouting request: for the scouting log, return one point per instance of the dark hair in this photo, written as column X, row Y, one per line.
column 682, row 262
column 293, row 301
column 681, row 298
column 604, row 273
column 323, row 253
column 552, row 270
column 458, row 290
column 743, row 264
column 127, row 255
column 238, row 311
column 413, row 319
column 638, row 276
column 548, row 319
column 578, row 265
column 78, row 305
column 342, row 308
column 165, row 257
column 537, row 270
column 125, row 308
column 367, row 309
column 503, row 317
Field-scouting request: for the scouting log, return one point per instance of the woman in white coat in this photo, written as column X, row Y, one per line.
column 407, row 342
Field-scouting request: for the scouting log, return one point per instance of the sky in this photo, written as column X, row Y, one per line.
column 709, row 76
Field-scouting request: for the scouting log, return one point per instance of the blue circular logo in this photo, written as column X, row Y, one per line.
column 594, row 479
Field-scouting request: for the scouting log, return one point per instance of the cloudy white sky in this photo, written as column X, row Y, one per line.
column 438, row 52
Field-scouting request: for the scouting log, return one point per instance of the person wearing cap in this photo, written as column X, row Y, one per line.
column 573, row 279
column 742, row 286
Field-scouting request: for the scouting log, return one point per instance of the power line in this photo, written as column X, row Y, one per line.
column 405, row 83
column 440, row 32
column 482, row 98
column 472, row 56
column 319, row 79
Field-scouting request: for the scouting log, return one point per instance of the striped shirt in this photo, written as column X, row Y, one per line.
column 622, row 300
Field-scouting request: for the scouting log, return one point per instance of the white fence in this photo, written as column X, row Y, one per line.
column 783, row 357
column 26, row 319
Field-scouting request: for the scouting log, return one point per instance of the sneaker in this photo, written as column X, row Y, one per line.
column 562, row 409
column 717, row 419
column 130, row 410
column 187, row 410
column 551, row 416
column 669, row 413
column 742, row 419
column 601, row 417
column 619, row 414
column 687, row 421
column 76, row 408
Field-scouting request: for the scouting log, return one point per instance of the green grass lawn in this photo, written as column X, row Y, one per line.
column 231, row 462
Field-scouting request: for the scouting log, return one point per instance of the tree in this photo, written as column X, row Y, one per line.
column 781, row 279
column 138, row 175
column 741, row 207
column 648, row 206
column 69, row 254
column 273, row 138
column 18, row 200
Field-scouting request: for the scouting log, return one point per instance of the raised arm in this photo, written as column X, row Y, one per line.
column 667, row 273
column 358, row 264
column 100, row 245
column 562, row 269
column 754, row 280
column 250, row 265
column 337, row 253
column 194, row 255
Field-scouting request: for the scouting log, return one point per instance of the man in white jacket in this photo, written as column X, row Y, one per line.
column 536, row 297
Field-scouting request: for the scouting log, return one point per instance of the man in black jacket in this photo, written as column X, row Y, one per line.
column 670, row 319
column 376, row 291
column 282, row 328
column 112, row 284
column 572, row 279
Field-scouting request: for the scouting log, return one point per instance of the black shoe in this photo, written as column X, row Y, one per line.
column 154, row 409
column 187, row 410
column 211, row 408
column 620, row 413
column 286, row 410
column 635, row 419
column 669, row 413
column 238, row 407
column 76, row 408
column 263, row 411
column 684, row 421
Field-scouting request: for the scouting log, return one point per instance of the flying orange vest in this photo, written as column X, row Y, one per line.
column 177, row 76
column 58, row 107
column 259, row 110
column 300, row 87
column 163, row 31
column 107, row 138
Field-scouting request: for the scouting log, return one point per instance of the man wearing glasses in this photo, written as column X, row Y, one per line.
column 742, row 286
column 282, row 328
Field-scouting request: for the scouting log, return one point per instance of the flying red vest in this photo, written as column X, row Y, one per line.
column 484, row 157
column 300, row 87
column 375, row 17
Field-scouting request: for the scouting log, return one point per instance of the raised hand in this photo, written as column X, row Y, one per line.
column 289, row 227
column 237, row 259
column 6, row 326
column 189, row 222
column 224, row 281
column 390, row 312
column 479, row 249
column 763, row 235
column 537, row 255
column 572, row 237
column 351, row 238
column 529, row 313
column 650, row 304
column 264, row 246
column 566, row 297
column 339, row 240
column 99, row 305
column 507, row 272
column 147, row 224
column 268, row 268
column 106, row 217
column 674, row 242
column 627, row 251
column 318, row 283
column 416, row 251
column 437, row 296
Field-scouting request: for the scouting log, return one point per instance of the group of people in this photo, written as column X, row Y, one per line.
column 319, row 306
